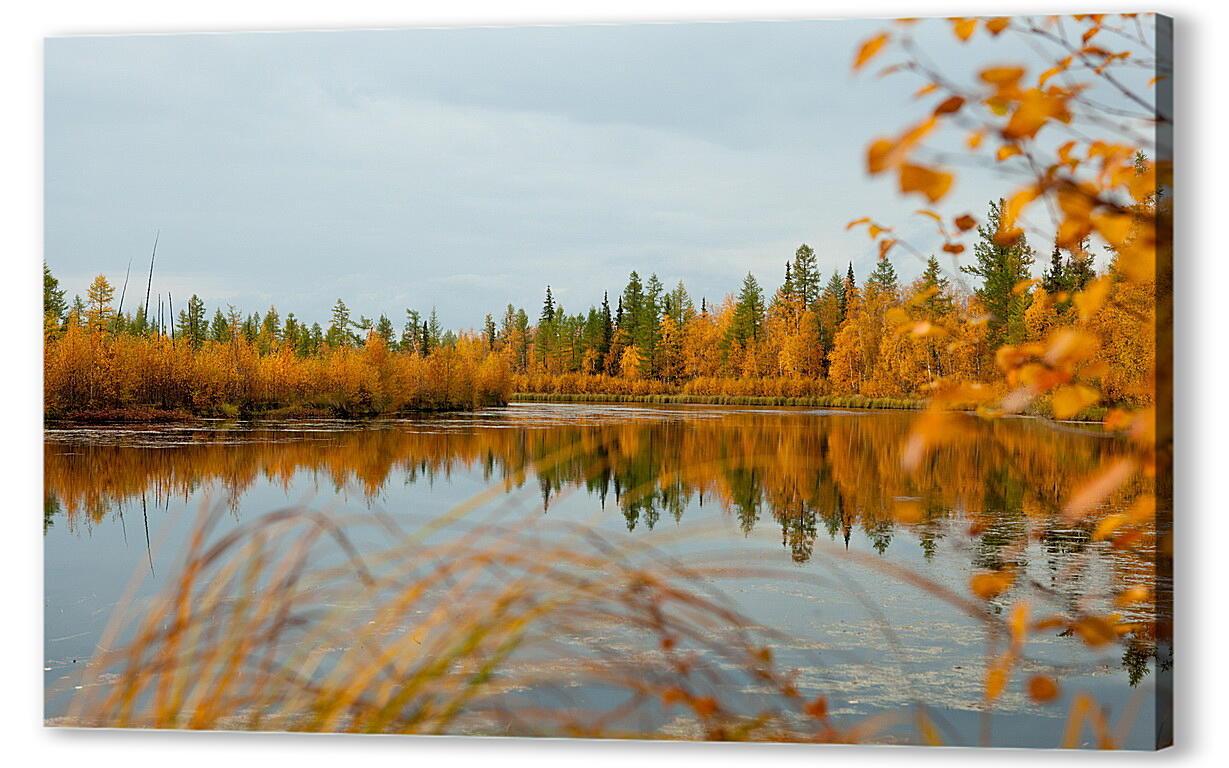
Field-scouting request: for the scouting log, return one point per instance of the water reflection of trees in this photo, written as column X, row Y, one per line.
column 806, row 473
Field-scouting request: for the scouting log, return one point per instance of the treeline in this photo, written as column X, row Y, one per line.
column 816, row 336
column 102, row 363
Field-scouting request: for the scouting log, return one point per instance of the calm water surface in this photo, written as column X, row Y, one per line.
column 787, row 488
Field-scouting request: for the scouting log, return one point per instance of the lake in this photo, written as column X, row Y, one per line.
column 803, row 520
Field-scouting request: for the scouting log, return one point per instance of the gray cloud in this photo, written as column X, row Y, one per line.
column 463, row 168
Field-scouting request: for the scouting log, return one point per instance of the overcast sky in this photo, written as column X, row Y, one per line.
column 468, row 168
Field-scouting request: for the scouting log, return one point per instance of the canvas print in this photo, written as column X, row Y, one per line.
column 794, row 381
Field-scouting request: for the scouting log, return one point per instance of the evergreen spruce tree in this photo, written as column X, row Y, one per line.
column 1001, row 268
column 54, row 305
column 488, row 330
column 607, row 329
column 435, row 329
column 806, row 276
column 939, row 301
column 292, row 331
column 1056, row 279
column 748, row 312
column 1080, row 270
column 193, row 325
column 219, row 329
column 384, row 329
column 882, row 280
column 339, row 334
column 410, row 335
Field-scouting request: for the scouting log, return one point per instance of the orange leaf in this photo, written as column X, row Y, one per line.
column 1051, row 72
column 929, row 182
column 817, row 708
column 964, row 28
column 1006, row 151
column 877, row 155
column 925, row 90
column 1002, row 78
column 949, row 105
column 996, row 680
column 1132, row 596
column 953, row 248
column 1071, row 399
column 1089, row 495
column 870, row 49
column 1089, row 300
column 1095, row 631
column 965, row 222
column 1034, row 110
column 704, row 705
column 996, row 25
column 1114, row 227
column 856, row 222
column 988, row 585
column 884, row 246
column 1042, row 689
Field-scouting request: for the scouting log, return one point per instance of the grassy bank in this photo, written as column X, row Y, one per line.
column 824, row 401
column 1041, row 409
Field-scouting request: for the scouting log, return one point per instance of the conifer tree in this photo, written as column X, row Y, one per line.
column 1001, row 268
column 292, row 331
column 99, row 312
column 192, row 323
column 607, row 332
column 1080, row 270
column 1056, row 279
column 219, row 328
column 488, row 331
column 384, row 329
column 882, row 280
column 849, row 292
column 748, row 312
column 938, row 302
column 806, row 276
column 410, row 335
column 434, row 329
column 339, row 334
column 54, row 305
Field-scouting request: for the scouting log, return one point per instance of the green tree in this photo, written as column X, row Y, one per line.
column 1055, row 279
column 1001, row 268
column 849, row 293
column 54, row 305
column 219, row 329
column 193, row 326
column 938, row 302
column 339, row 333
column 411, row 335
column 806, row 276
column 488, row 331
column 434, row 329
column 292, row 332
column 882, row 280
column 748, row 317
column 384, row 329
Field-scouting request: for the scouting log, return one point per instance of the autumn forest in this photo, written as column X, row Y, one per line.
column 814, row 339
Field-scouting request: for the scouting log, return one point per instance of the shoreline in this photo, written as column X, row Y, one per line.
column 1093, row 415
column 824, row 401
